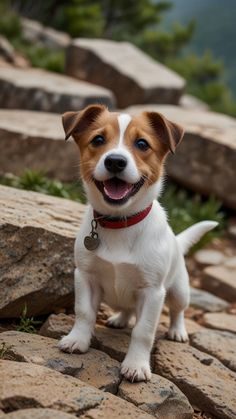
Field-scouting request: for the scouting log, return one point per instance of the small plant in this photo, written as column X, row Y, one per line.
column 27, row 323
column 185, row 209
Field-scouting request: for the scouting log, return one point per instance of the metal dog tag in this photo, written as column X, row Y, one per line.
column 91, row 242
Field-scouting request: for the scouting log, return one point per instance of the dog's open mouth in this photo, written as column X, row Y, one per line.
column 117, row 191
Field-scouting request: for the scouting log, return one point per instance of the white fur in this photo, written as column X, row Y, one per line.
column 133, row 270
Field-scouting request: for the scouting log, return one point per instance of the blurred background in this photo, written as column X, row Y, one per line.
column 175, row 57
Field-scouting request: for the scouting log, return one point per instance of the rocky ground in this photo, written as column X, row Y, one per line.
column 37, row 232
column 197, row 379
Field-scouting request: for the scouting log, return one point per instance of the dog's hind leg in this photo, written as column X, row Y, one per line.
column 87, row 301
column 119, row 320
column 178, row 300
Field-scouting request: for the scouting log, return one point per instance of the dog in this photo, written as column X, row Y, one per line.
column 126, row 254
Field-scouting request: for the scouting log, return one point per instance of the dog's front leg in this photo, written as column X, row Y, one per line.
column 87, row 300
column 136, row 365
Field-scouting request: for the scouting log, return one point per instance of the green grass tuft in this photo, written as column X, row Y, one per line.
column 27, row 324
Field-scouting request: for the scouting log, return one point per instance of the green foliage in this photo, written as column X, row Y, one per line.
column 9, row 21
column 27, row 324
column 38, row 182
column 41, row 56
column 185, row 209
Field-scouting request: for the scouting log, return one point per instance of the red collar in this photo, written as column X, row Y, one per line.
column 119, row 222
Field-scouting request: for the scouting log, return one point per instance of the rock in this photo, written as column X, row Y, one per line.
column 206, row 301
column 221, row 321
column 35, row 140
column 37, row 89
column 208, row 151
column 209, row 257
column 39, row 414
column 6, row 49
column 220, row 344
column 221, row 281
column 191, row 325
column 232, row 231
column 122, row 67
column 231, row 263
column 158, row 397
column 33, row 31
column 94, row 368
column 191, row 102
column 57, row 325
column 36, row 258
column 208, row 384
column 114, row 342
column 30, row 385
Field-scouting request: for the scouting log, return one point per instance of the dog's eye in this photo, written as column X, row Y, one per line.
column 98, row 140
column 141, row 144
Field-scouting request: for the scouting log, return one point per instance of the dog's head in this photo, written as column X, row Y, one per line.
column 121, row 157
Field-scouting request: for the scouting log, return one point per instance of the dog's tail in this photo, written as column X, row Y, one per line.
column 193, row 234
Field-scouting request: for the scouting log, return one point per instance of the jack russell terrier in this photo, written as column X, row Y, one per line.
column 125, row 252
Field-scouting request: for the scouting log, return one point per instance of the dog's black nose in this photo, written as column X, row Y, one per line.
column 115, row 163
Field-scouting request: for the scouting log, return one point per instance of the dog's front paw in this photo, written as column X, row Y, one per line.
column 74, row 343
column 136, row 370
column 178, row 334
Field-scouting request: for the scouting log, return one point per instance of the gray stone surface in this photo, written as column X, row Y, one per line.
column 133, row 76
column 95, row 368
column 209, row 257
column 28, row 385
column 33, row 31
column 221, row 281
column 206, row 301
column 207, row 383
column 192, row 102
column 35, row 140
column 36, row 258
column 158, row 397
column 37, row 89
column 218, row 343
column 221, row 321
column 205, row 161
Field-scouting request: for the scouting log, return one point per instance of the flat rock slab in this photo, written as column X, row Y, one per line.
column 208, row 151
column 221, row 321
column 33, row 31
column 57, row 325
column 37, row 89
column 207, row 383
column 158, row 397
column 209, row 257
column 37, row 386
column 35, row 140
column 220, row 344
column 206, row 301
column 38, row 414
column 133, row 76
column 95, row 368
column 36, row 258
column 221, row 281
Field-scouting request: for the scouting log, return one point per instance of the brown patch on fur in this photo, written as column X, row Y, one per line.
column 149, row 162
column 106, row 124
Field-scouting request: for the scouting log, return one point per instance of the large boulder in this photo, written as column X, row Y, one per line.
column 42, row 90
column 36, row 257
column 205, row 161
column 35, row 140
column 133, row 76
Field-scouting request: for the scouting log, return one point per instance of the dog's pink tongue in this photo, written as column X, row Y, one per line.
column 116, row 188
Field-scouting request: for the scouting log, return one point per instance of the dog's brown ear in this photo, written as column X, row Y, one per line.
column 168, row 132
column 77, row 122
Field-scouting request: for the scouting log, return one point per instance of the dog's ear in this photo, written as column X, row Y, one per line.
column 77, row 122
column 167, row 132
